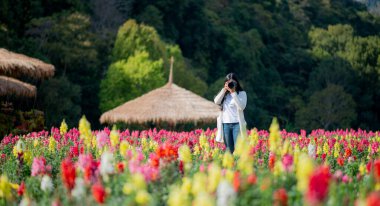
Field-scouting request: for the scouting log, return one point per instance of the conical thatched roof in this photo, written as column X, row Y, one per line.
column 169, row 103
column 10, row 86
column 16, row 65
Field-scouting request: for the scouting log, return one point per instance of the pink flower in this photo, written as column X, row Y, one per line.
column 287, row 162
column 102, row 139
column 84, row 161
column 346, row 179
column 39, row 166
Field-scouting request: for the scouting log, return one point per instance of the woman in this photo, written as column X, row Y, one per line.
column 231, row 123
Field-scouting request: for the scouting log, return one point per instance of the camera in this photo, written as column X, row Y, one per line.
column 232, row 84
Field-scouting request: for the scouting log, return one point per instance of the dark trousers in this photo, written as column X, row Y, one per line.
column 230, row 135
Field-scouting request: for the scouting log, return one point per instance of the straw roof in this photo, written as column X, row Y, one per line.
column 169, row 103
column 16, row 65
column 9, row 85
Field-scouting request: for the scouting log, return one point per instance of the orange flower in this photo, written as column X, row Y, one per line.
column 236, row 181
column 271, row 161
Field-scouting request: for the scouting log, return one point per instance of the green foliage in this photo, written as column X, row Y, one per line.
column 133, row 37
column 330, row 108
column 69, row 96
column 128, row 79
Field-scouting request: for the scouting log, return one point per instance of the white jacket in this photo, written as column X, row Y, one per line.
column 240, row 101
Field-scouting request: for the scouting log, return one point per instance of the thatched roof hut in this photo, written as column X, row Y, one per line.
column 169, row 103
column 16, row 65
column 9, row 86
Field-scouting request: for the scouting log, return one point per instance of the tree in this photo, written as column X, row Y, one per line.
column 128, row 79
column 67, row 41
column 60, row 99
column 133, row 37
column 333, row 70
column 329, row 108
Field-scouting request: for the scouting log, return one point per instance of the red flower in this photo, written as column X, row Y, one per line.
column 180, row 167
column 21, row 189
column 90, row 171
column 373, row 199
column 154, row 159
column 236, row 181
column 376, row 170
column 340, row 161
column 318, row 185
column 68, row 173
column 120, row 167
column 99, row 193
column 252, row 179
column 271, row 161
column 280, row 197
column 369, row 166
column 347, row 152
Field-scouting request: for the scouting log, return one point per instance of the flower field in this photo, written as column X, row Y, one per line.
column 79, row 166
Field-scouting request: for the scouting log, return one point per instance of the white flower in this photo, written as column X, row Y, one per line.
column 225, row 194
column 311, row 150
column 46, row 184
column 106, row 163
column 79, row 189
column 26, row 202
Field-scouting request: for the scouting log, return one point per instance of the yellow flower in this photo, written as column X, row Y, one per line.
column 63, row 128
column 304, row 169
column 228, row 160
column 296, row 154
column 142, row 197
column 362, row 169
column 18, row 148
column 5, row 188
column 185, row 154
column 204, row 199
column 326, row 148
column 35, row 143
column 178, row 197
column 277, row 168
column 199, row 183
column 319, row 150
column 202, row 140
column 285, row 147
column 197, row 150
column 144, row 143
column 229, row 175
column 153, row 145
column 114, row 136
column 214, row 176
column 52, row 144
column 186, row 185
column 28, row 158
column 128, row 188
column 254, row 137
column 138, row 181
column 124, row 146
column 274, row 136
column 337, row 150
column 85, row 131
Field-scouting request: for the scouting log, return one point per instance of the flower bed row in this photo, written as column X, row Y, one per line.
column 81, row 166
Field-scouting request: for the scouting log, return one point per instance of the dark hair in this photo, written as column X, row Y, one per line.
column 232, row 76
